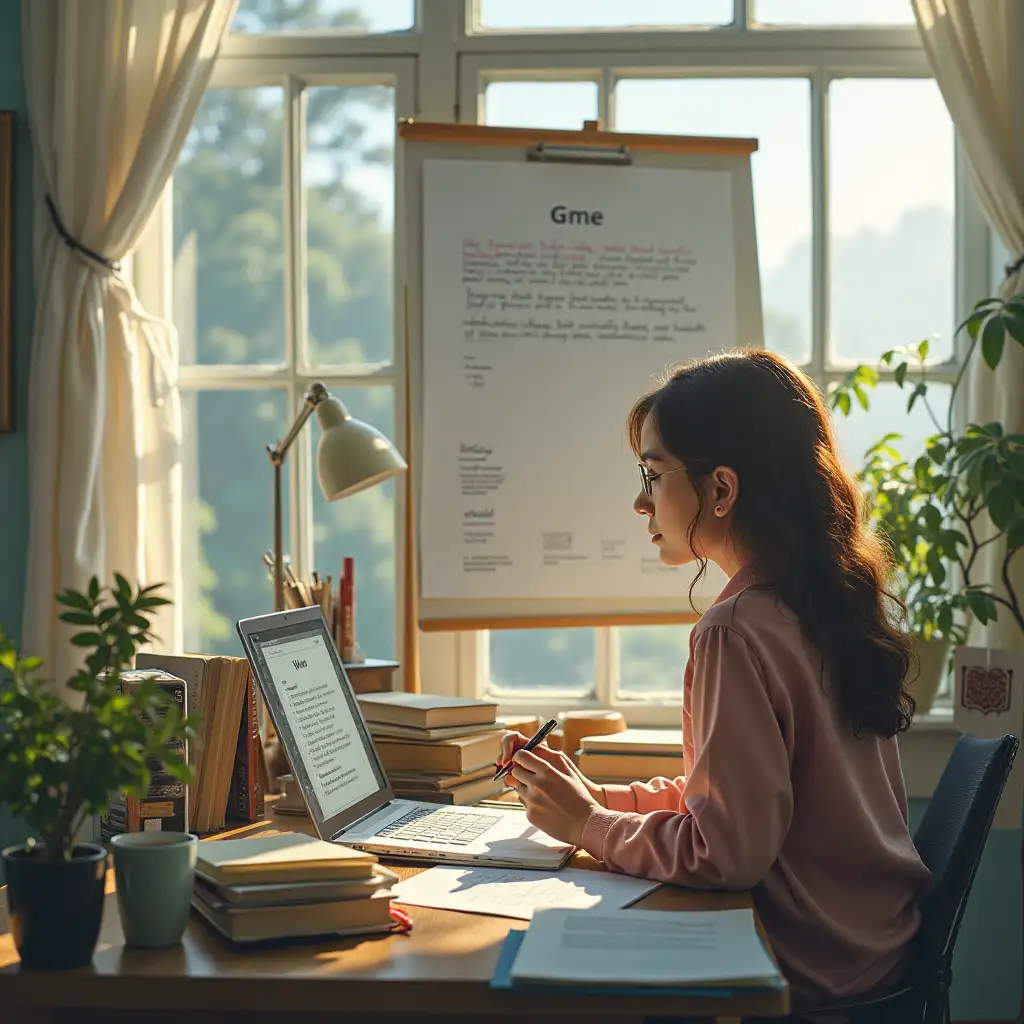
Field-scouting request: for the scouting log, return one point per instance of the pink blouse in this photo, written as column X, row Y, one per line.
column 778, row 796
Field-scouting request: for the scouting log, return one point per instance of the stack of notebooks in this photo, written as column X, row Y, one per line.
column 226, row 756
column 635, row 754
column 439, row 749
column 289, row 886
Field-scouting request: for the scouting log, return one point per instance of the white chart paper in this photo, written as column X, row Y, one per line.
column 518, row 893
column 553, row 295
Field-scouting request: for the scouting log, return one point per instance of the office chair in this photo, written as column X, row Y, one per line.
column 950, row 840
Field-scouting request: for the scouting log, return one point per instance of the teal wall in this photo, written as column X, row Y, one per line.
column 989, row 956
column 14, row 447
column 988, row 964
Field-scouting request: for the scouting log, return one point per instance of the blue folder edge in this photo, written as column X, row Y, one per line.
column 502, row 979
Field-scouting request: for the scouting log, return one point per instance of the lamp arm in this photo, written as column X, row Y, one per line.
column 313, row 397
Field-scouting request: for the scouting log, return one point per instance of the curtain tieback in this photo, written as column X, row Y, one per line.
column 74, row 245
column 1012, row 268
column 159, row 336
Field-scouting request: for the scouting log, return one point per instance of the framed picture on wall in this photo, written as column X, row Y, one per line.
column 6, row 284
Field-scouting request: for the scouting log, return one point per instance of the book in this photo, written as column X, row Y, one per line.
column 372, row 675
column 634, row 951
column 450, row 757
column 459, row 796
column 165, row 807
column 220, row 689
column 428, row 782
column 626, row 767
column 636, row 741
column 426, row 710
column 245, row 794
column 411, row 732
column 299, row 892
column 280, row 858
column 260, row 924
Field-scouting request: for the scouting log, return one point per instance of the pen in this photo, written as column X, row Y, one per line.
column 532, row 742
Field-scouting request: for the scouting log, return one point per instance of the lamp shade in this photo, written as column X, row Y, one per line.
column 351, row 455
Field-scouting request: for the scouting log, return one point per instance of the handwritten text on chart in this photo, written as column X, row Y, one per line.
column 562, row 293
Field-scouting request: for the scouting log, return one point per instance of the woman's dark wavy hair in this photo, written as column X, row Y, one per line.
column 799, row 514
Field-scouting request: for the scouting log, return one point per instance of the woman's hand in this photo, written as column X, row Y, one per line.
column 557, row 801
column 513, row 741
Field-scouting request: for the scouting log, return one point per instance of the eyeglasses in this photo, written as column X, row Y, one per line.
column 647, row 477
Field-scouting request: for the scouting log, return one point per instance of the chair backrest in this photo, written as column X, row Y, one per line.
column 951, row 838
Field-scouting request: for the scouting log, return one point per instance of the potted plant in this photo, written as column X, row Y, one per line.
column 61, row 762
column 963, row 493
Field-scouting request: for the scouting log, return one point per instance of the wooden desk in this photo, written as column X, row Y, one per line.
column 439, row 971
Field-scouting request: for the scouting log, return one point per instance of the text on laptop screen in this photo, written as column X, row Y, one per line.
column 312, row 704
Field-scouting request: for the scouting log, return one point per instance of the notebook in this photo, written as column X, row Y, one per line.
column 287, row 857
column 426, row 710
column 260, row 924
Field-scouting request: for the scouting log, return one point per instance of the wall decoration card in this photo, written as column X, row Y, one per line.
column 988, row 700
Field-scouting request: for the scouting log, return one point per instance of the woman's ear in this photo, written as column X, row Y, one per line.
column 725, row 489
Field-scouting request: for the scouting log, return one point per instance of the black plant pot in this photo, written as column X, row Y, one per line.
column 55, row 906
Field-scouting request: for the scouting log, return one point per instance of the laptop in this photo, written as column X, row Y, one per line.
column 336, row 766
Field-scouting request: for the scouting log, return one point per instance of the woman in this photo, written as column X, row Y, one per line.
column 793, row 693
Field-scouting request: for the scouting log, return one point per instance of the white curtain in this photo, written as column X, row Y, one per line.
column 976, row 52
column 113, row 86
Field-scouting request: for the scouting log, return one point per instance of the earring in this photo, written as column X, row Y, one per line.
column 719, row 511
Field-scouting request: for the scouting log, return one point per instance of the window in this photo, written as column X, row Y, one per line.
column 283, row 211
column 281, row 261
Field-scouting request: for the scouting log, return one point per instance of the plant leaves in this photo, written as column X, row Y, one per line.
column 1015, row 535
column 1000, row 506
column 919, row 390
column 901, row 374
column 993, row 338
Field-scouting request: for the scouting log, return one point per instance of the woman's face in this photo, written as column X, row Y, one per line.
column 671, row 507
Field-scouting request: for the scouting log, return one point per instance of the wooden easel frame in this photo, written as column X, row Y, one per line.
column 589, row 145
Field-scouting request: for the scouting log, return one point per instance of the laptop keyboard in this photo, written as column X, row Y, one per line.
column 454, row 828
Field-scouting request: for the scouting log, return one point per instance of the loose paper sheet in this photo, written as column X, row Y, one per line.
column 518, row 893
column 553, row 295
column 643, row 947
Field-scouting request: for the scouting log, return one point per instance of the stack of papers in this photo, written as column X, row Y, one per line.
column 657, row 952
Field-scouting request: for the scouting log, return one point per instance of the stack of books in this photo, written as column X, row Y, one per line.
column 288, row 886
column 227, row 755
column 372, row 675
column 633, row 755
column 434, row 748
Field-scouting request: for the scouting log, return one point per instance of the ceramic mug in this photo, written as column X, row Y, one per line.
column 155, row 873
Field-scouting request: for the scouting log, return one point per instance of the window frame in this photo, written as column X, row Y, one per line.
column 439, row 71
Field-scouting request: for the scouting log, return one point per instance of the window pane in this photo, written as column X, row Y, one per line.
column 354, row 16
column 776, row 112
column 888, row 414
column 554, row 105
column 833, row 12
column 229, row 230
column 228, row 511
column 891, row 195
column 350, row 188
column 362, row 526
column 542, row 659
column 652, row 660
column 584, row 14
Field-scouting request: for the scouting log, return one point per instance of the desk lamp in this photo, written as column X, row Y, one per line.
column 350, row 456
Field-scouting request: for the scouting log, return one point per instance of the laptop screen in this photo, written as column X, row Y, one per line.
column 316, row 716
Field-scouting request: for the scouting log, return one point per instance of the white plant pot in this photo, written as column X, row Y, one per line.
column 933, row 659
